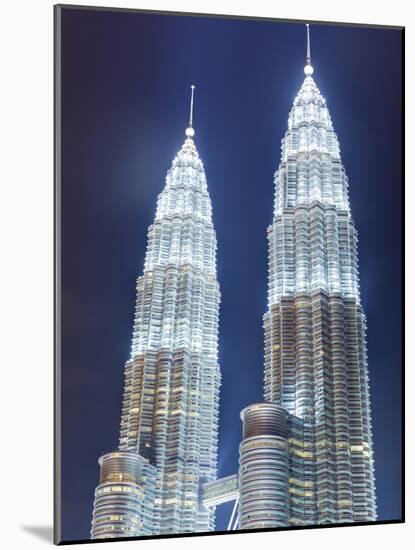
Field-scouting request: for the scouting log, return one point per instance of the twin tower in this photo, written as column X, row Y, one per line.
column 306, row 455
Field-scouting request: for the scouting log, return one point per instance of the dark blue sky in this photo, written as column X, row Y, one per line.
column 125, row 82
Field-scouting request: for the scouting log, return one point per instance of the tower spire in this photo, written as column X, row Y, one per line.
column 308, row 69
column 189, row 130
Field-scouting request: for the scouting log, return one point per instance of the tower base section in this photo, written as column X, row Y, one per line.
column 124, row 498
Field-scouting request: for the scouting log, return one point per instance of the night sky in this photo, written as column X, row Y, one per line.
column 125, row 94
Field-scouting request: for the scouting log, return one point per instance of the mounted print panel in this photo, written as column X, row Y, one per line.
column 229, row 274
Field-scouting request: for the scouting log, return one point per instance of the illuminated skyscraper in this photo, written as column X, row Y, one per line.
column 306, row 456
column 315, row 345
column 169, row 424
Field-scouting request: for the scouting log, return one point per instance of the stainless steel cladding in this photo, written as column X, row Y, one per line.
column 263, row 467
column 264, row 419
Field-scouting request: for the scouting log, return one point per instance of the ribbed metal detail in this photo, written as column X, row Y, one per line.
column 263, row 467
column 264, row 419
column 124, row 498
column 120, row 466
column 263, row 482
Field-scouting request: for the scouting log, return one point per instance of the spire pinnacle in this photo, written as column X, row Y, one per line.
column 308, row 69
column 189, row 130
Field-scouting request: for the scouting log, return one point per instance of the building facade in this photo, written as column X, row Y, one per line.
column 169, row 425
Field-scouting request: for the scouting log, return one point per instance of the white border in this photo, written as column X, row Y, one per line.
column 26, row 281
